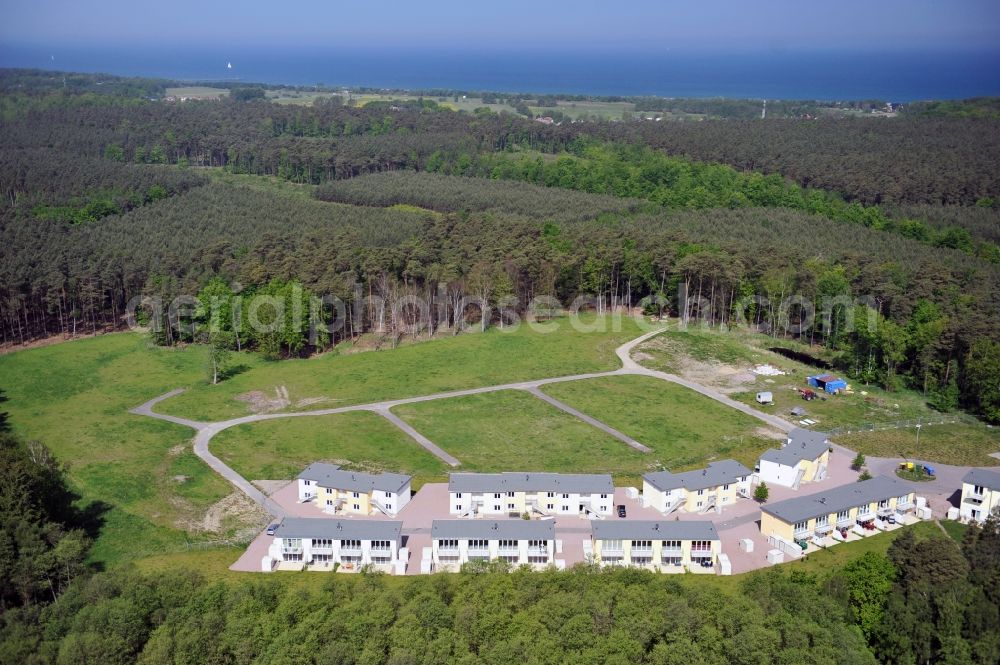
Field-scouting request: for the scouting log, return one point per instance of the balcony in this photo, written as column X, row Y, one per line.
column 291, row 550
column 477, row 551
column 508, row 551
column 448, row 550
column 607, row 552
column 538, row 551
column 904, row 505
column 671, row 552
column 350, row 551
column 844, row 522
column 642, row 551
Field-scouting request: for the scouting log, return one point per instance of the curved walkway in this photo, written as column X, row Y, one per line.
column 205, row 431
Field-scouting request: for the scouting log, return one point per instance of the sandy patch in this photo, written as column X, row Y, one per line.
column 269, row 487
column 640, row 356
column 176, row 450
column 237, row 507
column 769, row 433
column 259, row 402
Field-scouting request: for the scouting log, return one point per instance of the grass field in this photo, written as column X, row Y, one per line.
column 200, row 91
column 514, row 431
column 448, row 363
column 683, row 427
column 279, row 449
column 958, row 444
column 74, row 398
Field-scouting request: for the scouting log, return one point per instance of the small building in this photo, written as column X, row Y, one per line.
column 827, row 383
column 518, row 542
column 765, row 397
column 667, row 546
column 804, row 458
column 545, row 494
column 714, row 487
column 980, row 495
column 817, row 515
column 316, row 543
column 337, row 490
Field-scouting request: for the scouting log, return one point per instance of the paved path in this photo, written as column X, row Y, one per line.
column 590, row 421
column 205, row 431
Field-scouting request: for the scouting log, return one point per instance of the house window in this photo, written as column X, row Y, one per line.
column 700, row 503
column 381, row 545
column 701, row 546
column 565, row 496
column 726, row 486
column 801, row 526
column 549, row 506
column 671, row 544
column 565, row 509
column 550, row 495
column 355, row 495
column 822, row 521
column 458, row 506
column 510, row 494
column 350, row 544
column 496, row 507
column 357, row 506
column 538, row 559
column 388, row 495
column 612, row 545
column 604, row 496
column 884, row 503
column 448, row 544
column 642, row 544
column 538, row 543
column 322, row 542
column 902, row 499
column 307, row 482
column 976, row 489
column 478, row 544
column 458, row 495
column 508, row 544
column 844, row 515
column 329, row 502
column 510, row 506
column 497, row 495
column 700, row 492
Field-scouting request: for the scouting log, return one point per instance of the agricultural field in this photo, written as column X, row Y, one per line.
column 684, row 428
column 279, row 449
column 199, row 91
column 450, row 362
column 514, row 431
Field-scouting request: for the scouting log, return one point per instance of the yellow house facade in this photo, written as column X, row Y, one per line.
column 713, row 488
column 804, row 458
column 801, row 518
column 662, row 546
column 339, row 491
column 980, row 495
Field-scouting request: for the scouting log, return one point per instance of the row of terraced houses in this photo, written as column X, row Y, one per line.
column 512, row 516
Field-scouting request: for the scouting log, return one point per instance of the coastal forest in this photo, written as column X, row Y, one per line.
column 112, row 194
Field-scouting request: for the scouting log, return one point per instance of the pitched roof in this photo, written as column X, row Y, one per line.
column 521, row 481
column 837, row 499
column 320, row 527
column 653, row 530
column 494, row 529
column 331, row 475
column 983, row 477
column 718, row 473
column 803, row 444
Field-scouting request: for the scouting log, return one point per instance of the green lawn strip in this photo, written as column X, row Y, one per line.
column 684, row 428
column 281, row 448
column 448, row 363
column 958, row 444
column 515, row 431
column 75, row 396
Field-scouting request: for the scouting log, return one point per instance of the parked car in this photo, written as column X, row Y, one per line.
column 271, row 528
column 621, row 511
column 891, row 519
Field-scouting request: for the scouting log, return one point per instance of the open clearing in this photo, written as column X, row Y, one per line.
column 447, row 363
column 724, row 360
column 199, row 91
column 958, row 444
column 511, row 430
column 682, row 427
column 279, row 449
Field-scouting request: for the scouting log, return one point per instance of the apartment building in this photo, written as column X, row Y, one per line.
column 668, row 546
column 804, row 458
column 713, row 488
column 338, row 491
column 328, row 544
column 877, row 501
column 479, row 494
column 980, row 495
column 518, row 542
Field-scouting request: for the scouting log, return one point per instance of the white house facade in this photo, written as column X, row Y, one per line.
column 545, row 494
column 980, row 495
column 327, row 544
column 518, row 542
column 804, row 458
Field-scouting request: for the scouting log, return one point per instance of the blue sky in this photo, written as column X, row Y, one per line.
column 508, row 24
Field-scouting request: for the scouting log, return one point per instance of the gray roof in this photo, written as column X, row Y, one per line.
column 716, row 473
column 837, row 499
column 331, row 475
column 484, row 529
column 802, row 444
column 530, row 481
column 319, row 527
column 653, row 530
column 983, row 477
